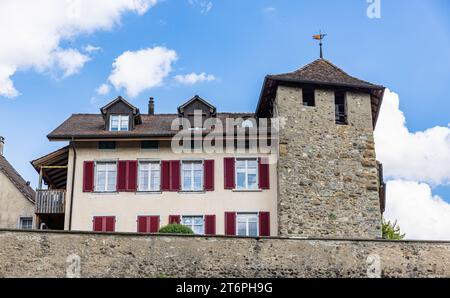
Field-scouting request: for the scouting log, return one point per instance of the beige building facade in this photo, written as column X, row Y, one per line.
column 16, row 197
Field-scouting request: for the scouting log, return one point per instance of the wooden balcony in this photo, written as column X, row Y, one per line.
column 51, row 201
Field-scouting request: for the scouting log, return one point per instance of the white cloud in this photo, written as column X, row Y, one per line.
column 70, row 61
column 420, row 215
column 141, row 70
column 413, row 161
column 33, row 31
column 103, row 89
column 420, row 156
column 193, row 78
column 91, row 49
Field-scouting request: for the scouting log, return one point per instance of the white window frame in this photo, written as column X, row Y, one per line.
column 150, row 176
column 192, row 188
column 247, row 223
column 105, row 190
column 191, row 227
column 19, row 225
column 121, row 118
column 246, row 188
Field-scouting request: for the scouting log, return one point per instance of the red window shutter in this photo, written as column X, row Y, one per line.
column 264, row 224
column 88, row 176
column 263, row 166
column 110, row 224
column 174, row 219
column 230, row 223
column 208, row 173
column 229, row 173
column 154, row 224
column 210, row 225
column 142, row 224
column 98, row 224
column 165, row 175
column 175, row 176
column 122, row 175
column 132, row 175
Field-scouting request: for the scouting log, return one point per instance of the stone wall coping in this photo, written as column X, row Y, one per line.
column 43, row 232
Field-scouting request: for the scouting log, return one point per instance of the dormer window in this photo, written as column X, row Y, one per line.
column 119, row 123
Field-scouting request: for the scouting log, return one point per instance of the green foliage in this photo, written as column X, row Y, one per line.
column 391, row 231
column 175, row 229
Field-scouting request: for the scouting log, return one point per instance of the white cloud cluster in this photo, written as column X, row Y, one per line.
column 413, row 162
column 420, row 214
column 32, row 32
column 194, row 78
column 70, row 61
column 141, row 70
column 420, row 156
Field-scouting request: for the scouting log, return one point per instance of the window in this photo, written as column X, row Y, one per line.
column 247, row 224
column 105, row 176
column 309, row 97
column 192, row 176
column 196, row 223
column 150, row 145
column 119, row 123
column 149, row 176
column 341, row 107
column 107, row 145
column 26, row 223
column 247, row 174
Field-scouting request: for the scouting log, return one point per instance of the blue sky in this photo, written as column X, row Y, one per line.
column 239, row 42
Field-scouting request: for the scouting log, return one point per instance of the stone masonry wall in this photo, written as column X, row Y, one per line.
column 64, row 254
column 328, row 184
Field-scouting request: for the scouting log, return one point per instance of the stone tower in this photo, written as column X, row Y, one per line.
column 329, row 180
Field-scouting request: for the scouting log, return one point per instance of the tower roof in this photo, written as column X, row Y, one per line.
column 320, row 72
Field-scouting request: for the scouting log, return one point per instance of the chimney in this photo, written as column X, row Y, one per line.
column 151, row 106
column 2, row 145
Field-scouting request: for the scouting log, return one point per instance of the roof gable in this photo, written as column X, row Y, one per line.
column 7, row 169
column 104, row 109
column 199, row 102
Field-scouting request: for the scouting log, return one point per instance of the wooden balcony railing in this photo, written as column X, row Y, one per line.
column 51, row 201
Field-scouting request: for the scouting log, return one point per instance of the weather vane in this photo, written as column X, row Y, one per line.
column 320, row 37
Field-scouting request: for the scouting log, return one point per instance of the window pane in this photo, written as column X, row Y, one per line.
column 106, row 145
column 106, row 176
column 124, row 123
column 198, row 180
column 252, row 229
column 241, row 229
column 240, row 183
column 198, row 230
column 187, row 180
column 252, row 183
column 149, row 176
column 150, row 145
column 192, row 176
column 26, row 223
column 187, row 221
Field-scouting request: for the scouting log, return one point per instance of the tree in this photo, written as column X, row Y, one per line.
column 391, row 231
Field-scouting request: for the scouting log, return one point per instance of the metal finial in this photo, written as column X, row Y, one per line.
column 320, row 37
